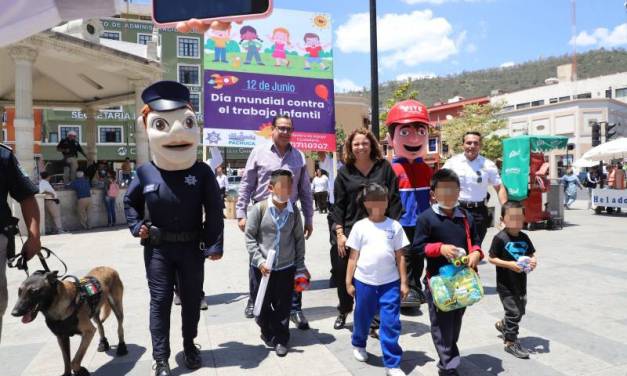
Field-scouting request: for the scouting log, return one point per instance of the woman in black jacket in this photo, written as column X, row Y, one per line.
column 363, row 164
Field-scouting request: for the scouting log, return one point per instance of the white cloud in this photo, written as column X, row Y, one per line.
column 409, row 38
column 415, row 76
column 507, row 64
column 471, row 48
column 344, row 85
column 602, row 37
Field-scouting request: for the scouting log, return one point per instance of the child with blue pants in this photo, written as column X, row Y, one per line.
column 376, row 277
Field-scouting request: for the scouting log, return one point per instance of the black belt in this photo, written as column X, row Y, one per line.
column 472, row 204
column 179, row 237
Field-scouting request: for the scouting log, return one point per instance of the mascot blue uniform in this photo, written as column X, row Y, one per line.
column 175, row 188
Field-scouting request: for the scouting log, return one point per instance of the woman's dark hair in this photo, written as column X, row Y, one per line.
column 277, row 174
column 375, row 150
column 511, row 205
column 284, row 116
column 247, row 29
column 444, row 175
column 372, row 192
column 44, row 175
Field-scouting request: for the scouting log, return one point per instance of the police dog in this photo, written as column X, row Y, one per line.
column 69, row 309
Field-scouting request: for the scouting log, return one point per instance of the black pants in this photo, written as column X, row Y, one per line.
column 182, row 261
column 514, row 306
column 321, row 201
column 338, row 272
column 445, row 329
column 253, row 285
column 481, row 217
column 415, row 263
column 275, row 312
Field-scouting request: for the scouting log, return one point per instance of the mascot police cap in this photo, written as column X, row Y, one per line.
column 408, row 111
column 166, row 96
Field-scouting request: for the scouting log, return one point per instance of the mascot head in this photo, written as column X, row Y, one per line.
column 408, row 129
column 170, row 124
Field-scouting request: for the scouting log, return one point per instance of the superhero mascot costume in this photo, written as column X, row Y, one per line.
column 408, row 133
column 175, row 188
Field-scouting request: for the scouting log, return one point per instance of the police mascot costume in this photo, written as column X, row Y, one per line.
column 175, row 188
column 408, row 133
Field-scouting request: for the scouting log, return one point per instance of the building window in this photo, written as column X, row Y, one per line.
column 188, row 47
column 508, row 108
column 194, row 98
column 621, row 93
column 189, row 74
column 114, row 35
column 65, row 129
column 53, row 137
column 564, row 99
column 433, row 146
column 537, row 103
column 110, row 135
column 584, row 96
column 553, row 100
column 522, row 105
column 144, row 38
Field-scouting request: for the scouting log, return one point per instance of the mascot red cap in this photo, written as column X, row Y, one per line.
column 408, row 129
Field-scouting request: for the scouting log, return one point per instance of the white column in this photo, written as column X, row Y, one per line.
column 91, row 134
column 142, row 149
column 24, row 57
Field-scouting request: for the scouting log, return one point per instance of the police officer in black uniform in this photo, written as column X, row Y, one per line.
column 176, row 240
column 14, row 181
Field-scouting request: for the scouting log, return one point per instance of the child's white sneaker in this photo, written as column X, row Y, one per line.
column 360, row 354
column 394, row 372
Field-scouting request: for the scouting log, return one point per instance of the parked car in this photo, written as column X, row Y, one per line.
column 233, row 187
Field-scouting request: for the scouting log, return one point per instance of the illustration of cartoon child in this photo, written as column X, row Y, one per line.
column 251, row 42
column 281, row 38
column 220, row 35
column 313, row 48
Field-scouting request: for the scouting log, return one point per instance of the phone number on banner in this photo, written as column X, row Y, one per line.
column 313, row 141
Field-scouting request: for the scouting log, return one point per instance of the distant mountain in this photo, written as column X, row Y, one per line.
column 520, row 76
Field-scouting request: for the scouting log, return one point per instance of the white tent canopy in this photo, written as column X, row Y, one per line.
column 584, row 163
column 615, row 149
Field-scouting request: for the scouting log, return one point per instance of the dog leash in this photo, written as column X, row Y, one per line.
column 20, row 262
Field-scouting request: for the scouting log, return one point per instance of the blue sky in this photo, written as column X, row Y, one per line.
column 440, row 37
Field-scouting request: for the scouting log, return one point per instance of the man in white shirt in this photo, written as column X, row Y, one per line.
column 476, row 173
column 51, row 201
column 320, row 187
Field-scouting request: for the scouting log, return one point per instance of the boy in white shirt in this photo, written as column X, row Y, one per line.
column 377, row 277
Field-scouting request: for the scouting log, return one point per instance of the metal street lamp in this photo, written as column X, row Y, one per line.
column 374, row 70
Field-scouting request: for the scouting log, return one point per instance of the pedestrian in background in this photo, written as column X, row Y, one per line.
column 111, row 192
column 363, row 164
column 223, row 182
column 81, row 186
column 320, row 187
column 51, row 201
column 127, row 172
column 70, row 147
column 592, row 180
column 571, row 183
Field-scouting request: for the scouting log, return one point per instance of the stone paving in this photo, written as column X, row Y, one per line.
column 576, row 322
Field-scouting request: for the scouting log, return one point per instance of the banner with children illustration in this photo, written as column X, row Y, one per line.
column 257, row 70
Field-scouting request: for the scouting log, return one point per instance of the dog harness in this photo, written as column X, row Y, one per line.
column 89, row 292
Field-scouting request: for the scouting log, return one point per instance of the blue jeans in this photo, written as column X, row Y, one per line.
column 386, row 299
column 110, row 204
column 219, row 54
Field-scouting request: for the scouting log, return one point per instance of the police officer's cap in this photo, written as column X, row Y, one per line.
column 166, row 96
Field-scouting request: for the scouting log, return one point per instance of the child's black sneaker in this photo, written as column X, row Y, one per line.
column 515, row 349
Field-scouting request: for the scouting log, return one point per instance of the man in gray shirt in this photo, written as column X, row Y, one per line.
column 264, row 159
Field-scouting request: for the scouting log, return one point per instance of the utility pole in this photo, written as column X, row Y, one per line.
column 374, row 71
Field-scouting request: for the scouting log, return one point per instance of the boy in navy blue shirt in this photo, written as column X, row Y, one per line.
column 439, row 231
column 508, row 246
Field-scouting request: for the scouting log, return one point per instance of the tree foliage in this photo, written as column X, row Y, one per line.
column 340, row 138
column 478, row 118
column 402, row 92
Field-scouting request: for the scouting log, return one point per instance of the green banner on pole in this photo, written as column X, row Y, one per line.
column 515, row 174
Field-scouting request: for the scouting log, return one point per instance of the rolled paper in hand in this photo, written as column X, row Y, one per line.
column 261, row 292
